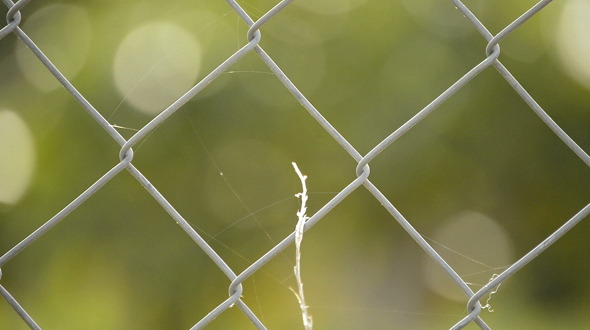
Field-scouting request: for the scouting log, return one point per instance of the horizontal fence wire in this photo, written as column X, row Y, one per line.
column 490, row 60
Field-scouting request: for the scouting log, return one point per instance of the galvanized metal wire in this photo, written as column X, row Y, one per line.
column 490, row 59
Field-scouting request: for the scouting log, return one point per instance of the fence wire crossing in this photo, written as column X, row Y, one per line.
column 492, row 53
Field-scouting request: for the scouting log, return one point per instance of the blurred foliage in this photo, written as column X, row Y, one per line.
column 120, row 262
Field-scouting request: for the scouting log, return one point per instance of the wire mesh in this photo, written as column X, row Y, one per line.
column 254, row 36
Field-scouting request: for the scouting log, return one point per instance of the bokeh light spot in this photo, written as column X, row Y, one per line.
column 63, row 32
column 17, row 157
column 155, row 65
column 475, row 245
column 573, row 42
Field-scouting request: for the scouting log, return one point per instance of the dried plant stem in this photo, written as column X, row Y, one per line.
column 302, row 218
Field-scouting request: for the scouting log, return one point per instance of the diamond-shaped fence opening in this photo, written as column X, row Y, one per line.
column 246, row 116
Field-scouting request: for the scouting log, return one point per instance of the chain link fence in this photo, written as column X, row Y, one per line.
column 490, row 61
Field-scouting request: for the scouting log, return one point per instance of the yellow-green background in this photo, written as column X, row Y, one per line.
column 120, row 262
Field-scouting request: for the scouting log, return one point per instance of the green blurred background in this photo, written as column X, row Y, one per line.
column 482, row 178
